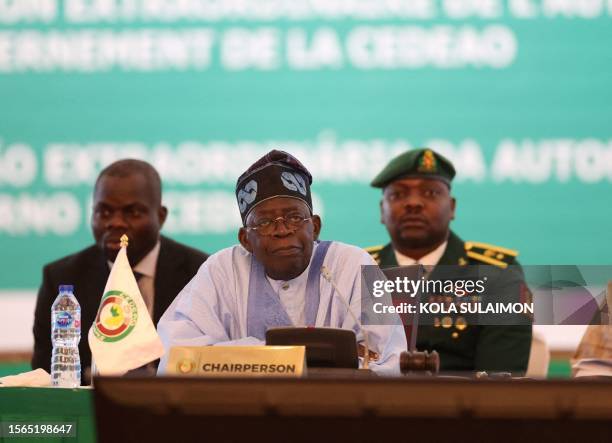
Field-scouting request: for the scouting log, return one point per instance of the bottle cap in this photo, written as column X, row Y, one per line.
column 66, row 288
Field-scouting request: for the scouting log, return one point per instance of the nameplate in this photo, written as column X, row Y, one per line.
column 237, row 361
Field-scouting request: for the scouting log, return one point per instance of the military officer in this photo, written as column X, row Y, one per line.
column 417, row 208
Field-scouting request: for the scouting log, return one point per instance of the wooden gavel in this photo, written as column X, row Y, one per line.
column 419, row 362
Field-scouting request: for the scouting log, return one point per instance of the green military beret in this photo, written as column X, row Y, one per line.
column 418, row 163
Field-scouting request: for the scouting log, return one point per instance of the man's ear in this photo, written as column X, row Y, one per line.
column 244, row 240
column 162, row 214
column 380, row 205
column 453, row 205
column 317, row 224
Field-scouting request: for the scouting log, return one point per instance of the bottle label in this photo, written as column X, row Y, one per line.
column 63, row 320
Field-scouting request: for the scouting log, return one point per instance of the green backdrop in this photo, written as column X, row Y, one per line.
column 518, row 94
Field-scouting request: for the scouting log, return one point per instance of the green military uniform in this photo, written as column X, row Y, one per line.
column 464, row 347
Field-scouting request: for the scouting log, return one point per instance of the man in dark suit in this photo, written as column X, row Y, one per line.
column 127, row 200
column 417, row 208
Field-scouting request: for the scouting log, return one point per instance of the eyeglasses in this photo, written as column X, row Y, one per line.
column 267, row 226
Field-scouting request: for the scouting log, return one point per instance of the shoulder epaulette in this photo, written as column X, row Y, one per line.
column 490, row 254
column 374, row 251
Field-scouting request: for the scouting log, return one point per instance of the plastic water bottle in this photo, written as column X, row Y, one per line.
column 65, row 336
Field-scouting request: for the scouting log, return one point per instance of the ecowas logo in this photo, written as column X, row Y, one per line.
column 116, row 317
column 185, row 366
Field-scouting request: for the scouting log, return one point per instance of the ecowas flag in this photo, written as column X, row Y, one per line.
column 123, row 336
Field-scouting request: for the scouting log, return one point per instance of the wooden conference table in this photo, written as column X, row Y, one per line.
column 321, row 409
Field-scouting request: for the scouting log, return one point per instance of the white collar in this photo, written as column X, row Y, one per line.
column 430, row 259
column 147, row 265
column 293, row 283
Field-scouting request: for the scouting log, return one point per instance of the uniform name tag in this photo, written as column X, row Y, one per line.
column 237, row 361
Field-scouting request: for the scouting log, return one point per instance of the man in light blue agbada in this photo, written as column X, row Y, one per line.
column 273, row 278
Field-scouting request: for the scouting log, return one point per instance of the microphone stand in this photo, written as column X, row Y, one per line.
column 327, row 276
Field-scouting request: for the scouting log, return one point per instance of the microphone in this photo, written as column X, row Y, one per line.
column 328, row 276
